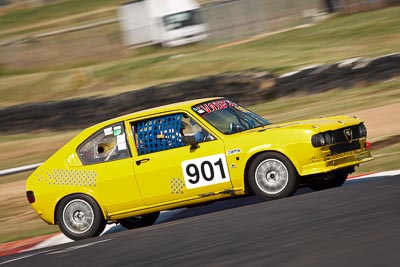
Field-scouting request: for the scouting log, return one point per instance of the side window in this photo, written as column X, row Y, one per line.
column 191, row 128
column 105, row 145
column 166, row 132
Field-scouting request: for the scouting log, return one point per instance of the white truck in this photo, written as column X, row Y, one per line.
column 165, row 22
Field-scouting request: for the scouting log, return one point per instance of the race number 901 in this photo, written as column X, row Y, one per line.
column 205, row 171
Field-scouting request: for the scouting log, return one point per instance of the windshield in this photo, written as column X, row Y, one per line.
column 229, row 117
column 182, row 19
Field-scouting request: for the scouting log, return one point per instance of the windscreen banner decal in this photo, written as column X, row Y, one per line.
column 213, row 106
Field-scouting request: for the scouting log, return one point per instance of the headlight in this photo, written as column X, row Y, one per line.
column 328, row 138
column 362, row 130
column 322, row 139
column 318, row 140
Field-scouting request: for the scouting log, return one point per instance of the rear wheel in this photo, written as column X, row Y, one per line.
column 79, row 217
column 339, row 177
column 139, row 221
column 272, row 176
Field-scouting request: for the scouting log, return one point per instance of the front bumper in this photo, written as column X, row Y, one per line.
column 186, row 40
column 335, row 162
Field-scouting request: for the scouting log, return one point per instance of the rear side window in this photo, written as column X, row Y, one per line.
column 105, row 145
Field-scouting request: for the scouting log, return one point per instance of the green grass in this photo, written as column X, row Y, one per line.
column 118, row 71
column 55, row 10
column 367, row 34
column 62, row 23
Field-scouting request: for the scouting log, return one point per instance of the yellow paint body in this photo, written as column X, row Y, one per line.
column 124, row 188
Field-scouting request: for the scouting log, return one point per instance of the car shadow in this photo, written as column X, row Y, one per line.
column 182, row 213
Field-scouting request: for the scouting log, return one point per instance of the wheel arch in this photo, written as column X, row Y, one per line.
column 99, row 204
column 250, row 160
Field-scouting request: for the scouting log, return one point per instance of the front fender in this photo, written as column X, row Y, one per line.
column 289, row 153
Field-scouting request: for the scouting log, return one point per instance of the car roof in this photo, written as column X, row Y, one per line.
column 160, row 109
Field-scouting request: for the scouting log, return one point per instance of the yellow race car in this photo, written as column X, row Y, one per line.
column 130, row 168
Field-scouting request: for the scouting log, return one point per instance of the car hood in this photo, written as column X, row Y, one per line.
column 319, row 124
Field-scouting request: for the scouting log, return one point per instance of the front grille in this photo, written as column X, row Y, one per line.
column 339, row 136
column 344, row 147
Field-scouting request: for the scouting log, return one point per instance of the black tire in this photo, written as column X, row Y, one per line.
column 272, row 175
column 79, row 217
column 139, row 221
column 339, row 177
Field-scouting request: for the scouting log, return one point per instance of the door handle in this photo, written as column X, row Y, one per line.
column 138, row 162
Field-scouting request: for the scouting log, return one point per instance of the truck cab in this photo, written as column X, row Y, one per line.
column 166, row 22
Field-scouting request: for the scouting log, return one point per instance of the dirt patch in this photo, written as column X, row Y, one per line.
column 32, row 149
column 387, row 142
column 382, row 122
column 12, row 191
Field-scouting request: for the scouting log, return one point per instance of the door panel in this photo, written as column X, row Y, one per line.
column 168, row 170
column 182, row 172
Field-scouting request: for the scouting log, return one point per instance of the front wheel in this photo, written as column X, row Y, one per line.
column 271, row 176
column 79, row 217
column 139, row 221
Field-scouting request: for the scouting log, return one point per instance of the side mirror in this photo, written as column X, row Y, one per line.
column 190, row 140
column 235, row 128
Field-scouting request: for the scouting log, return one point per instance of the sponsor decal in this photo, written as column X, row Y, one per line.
column 108, row 131
column 121, row 142
column 117, row 130
column 198, row 110
column 233, row 151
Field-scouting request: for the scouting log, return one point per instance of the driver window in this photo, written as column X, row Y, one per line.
column 167, row 132
column 191, row 128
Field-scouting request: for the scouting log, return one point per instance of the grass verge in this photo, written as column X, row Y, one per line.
column 56, row 10
column 367, row 34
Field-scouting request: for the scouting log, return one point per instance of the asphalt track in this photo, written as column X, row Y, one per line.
column 354, row 225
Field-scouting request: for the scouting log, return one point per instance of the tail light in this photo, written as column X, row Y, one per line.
column 30, row 196
column 368, row 145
